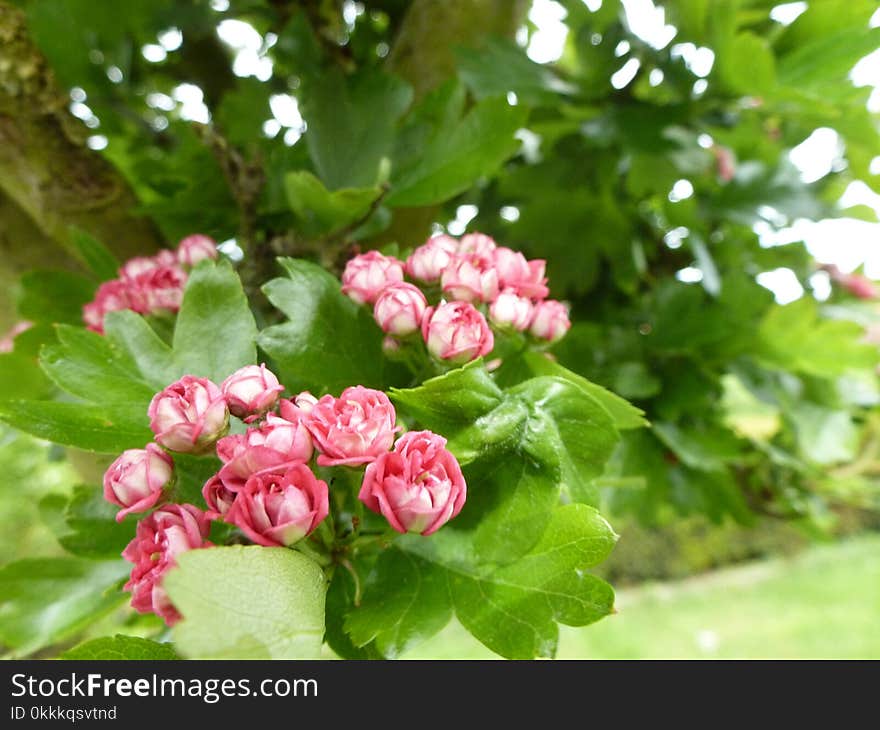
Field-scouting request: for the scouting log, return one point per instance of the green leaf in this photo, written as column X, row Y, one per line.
column 514, row 609
column 500, row 66
column 276, row 596
column 95, row 255
column 47, row 600
column 795, row 337
column 824, row 435
column 340, row 600
column 321, row 211
column 624, row 414
column 54, row 296
column 328, row 342
column 478, row 145
column 130, row 333
column 828, row 58
column 90, row 366
column 93, row 529
column 748, row 65
column 453, row 400
column 215, row 330
column 192, row 473
column 567, row 430
column 114, row 648
column 104, row 429
column 20, row 376
column 402, row 605
column 351, row 125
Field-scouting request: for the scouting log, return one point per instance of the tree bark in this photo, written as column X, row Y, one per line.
column 46, row 168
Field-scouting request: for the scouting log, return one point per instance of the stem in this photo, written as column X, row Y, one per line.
column 321, row 558
column 346, row 563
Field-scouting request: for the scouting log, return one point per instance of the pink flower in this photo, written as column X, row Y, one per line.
column 354, row 428
column 138, row 265
column 427, row 262
column 195, row 248
column 457, row 332
column 251, row 391
column 7, row 344
column 399, row 309
column 218, row 497
column 418, row 487
column 860, row 286
column 273, row 447
column 158, row 289
column 478, row 243
column 280, row 509
column 526, row 278
column 189, row 415
column 298, row 407
column 366, row 275
column 137, row 480
column 470, row 277
column 159, row 539
column 511, row 310
column 550, row 321
column 112, row 296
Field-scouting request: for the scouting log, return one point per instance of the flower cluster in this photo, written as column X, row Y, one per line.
column 266, row 486
column 475, row 277
column 149, row 285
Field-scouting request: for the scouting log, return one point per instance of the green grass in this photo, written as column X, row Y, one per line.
column 822, row 603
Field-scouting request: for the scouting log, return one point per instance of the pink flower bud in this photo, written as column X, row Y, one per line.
column 195, row 248
column 7, row 344
column 470, row 277
column 354, row 428
column 112, row 296
column 189, row 415
column 159, row 539
column 477, row 243
column 158, row 289
column 366, row 275
column 137, row 480
column 550, row 321
column 859, row 286
column 457, row 332
column 390, row 346
column 273, row 447
column 218, row 497
column 526, row 278
column 280, row 509
column 511, row 310
column 399, row 309
column 298, row 407
column 418, row 487
column 427, row 262
column 138, row 265
column 251, row 391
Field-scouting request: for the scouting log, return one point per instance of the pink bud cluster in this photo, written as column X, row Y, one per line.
column 475, row 276
column 265, row 485
column 149, row 285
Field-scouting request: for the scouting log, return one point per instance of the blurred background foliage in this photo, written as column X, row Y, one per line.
column 648, row 160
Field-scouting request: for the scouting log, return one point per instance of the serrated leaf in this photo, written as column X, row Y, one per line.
column 478, row 145
column 328, row 342
column 89, row 366
column 46, row 600
column 323, row 212
column 402, row 605
column 340, row 600
column 829, row 57
column 513, row 609
column 92, row 529
column 104, row 429
column 131, row 333
column 119, row 647
column 351, row 125
column 215, row 331
column 276, row 594
column 453, row 400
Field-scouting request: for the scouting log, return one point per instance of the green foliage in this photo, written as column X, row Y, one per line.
column 95, row 255
column 287, row 623
column 45, row 600
column 328, row 342
column 121, row 647
column 54, row 296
